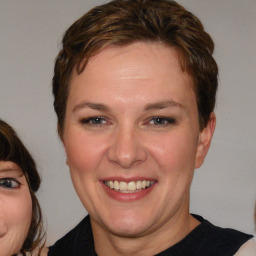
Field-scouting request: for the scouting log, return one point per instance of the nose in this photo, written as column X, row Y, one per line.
column 126, row 148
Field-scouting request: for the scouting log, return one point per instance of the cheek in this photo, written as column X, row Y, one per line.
column 176, row 152
column 83, row 152
column 177, row 162
column 21, row 213
column 16, row 218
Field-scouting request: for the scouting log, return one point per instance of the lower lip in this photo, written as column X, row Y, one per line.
column 127, row 197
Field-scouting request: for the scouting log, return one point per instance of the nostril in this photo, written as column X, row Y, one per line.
column 127, row 149
column 127, row 159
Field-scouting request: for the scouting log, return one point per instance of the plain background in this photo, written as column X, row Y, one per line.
column 223, row 190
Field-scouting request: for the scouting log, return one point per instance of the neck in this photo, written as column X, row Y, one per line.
column 156, row 241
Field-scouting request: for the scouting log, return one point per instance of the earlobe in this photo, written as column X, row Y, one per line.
column 204, row 140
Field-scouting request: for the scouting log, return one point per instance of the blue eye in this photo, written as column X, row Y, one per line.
column 94, row 121
column 9, row 183
column 162, row 121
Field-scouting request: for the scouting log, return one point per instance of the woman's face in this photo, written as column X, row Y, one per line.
column 132, row 138
column 15, row 208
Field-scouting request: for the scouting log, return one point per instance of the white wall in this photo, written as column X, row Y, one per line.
column 223, row 190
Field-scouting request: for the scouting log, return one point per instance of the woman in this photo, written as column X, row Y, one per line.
column 134, row 88
column 21, row 229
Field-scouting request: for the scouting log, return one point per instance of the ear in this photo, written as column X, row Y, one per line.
column 204, row 140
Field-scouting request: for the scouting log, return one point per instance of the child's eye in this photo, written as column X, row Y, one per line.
column 94, row 121
column 9, row 183
column 161, row 121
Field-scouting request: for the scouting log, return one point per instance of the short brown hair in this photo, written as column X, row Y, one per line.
column 13, row 150
column 122, row 22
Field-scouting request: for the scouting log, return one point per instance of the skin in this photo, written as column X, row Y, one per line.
column 111, row 132
column 15, row 208
column 44, row 251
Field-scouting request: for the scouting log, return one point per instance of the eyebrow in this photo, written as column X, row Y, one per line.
column 162, row 105
column 150, row 106
column 13, row 171
column 96, row 106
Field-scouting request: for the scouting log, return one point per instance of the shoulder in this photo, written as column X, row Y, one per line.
column 221, row 241
column 78, row 239
column 248, row 248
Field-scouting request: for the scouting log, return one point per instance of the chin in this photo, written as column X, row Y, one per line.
column 129, row 225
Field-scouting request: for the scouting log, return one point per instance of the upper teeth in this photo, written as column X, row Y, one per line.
column 133, row 186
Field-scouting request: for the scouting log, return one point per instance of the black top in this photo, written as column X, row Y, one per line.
column 205, row 240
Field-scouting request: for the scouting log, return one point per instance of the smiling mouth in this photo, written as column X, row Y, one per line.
column 129, row 187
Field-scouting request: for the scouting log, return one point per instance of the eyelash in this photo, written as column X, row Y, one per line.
column 9, row 183
column 157, row 120
column 94, row 121
column 167, row 121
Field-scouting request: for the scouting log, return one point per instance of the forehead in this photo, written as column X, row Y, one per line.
column 157, row 51
column 129, row 70
column 6, row 165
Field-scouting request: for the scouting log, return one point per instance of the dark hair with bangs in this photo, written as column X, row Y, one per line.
column 13, row 150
